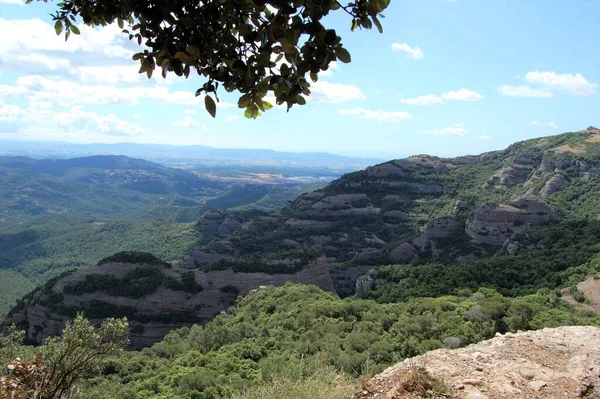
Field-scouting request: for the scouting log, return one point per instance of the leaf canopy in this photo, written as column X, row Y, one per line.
column 254, row 47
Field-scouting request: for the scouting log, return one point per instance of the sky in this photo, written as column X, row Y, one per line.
column 445, row 78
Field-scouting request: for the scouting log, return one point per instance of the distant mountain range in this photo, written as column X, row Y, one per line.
column 197, row 154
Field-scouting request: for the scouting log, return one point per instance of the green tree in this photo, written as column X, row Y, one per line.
column 62, row 361
column 251, row 46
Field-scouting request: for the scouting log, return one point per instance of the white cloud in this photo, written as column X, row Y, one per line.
column 18, row 2
column 65, row 93
column 185, row 122
column 231, row 118
column 335, row 92
column 414, row 53
column 549, row 82
column 137, row 116
column 523, row 91
column 378, row 115
column 427, row 99
column 551, row 124
column 456, row 95
column 81, row 121
column 462, row 95
column 484, row 137
column 573, row 84
column 329, row 72
column 190, row 112
column 458, row 129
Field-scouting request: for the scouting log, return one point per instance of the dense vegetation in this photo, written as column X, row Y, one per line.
column 563, row 254
column 57, row 215
column 286, row 332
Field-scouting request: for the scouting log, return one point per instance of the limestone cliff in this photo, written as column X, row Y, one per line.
column 156, row 299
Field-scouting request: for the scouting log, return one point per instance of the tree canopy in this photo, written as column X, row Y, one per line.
column 254, row 47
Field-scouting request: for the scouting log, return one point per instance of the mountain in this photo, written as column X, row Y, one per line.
column 516, row 221
column 59, row 214
column 197, row 154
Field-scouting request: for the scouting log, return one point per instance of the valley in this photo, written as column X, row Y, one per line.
column 377, row 266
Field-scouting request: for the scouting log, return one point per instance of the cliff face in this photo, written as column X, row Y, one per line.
column 554, row 363
column 166, row 298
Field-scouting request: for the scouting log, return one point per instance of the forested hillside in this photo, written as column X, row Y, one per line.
column 60, row 214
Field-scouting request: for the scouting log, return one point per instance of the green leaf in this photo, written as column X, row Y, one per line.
column 58, row 27
column 267, row 105
column 314, row 76
column 120, row 23
column 377, row 24
column 342, row 54
column 210, row 105
column 75, row 30
column 244, row 101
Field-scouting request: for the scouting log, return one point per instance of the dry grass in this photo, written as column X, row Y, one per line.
column 418, row 382
column 323, row 384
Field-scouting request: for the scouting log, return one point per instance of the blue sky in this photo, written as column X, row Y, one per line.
column 445, row 78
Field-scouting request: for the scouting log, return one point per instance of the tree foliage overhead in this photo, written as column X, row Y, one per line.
column 251, row 46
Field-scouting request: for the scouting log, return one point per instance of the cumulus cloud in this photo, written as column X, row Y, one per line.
column 458, row 129
column 551, row 124
column 573, row 84
column 10, row 117
column 67, row 93
column 456, row 95
column 335, row 92
column 414, row 53
column 462, row 95
column 81, row 121
column 523, row 91
column 484, row 137
column 548, row 82
column 378, row 115
column 185, row 122
column 17, row 2
column 427, row 99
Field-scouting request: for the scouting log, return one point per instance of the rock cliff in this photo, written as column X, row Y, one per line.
column 156, row 299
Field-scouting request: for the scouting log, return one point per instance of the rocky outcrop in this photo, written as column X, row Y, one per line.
column 404, row 252
column 435, row 230
column 510, row 176
column 405, row 167
column 155, row 313
column 342, row 205
column 555, row 183
column 220, row 223
column 494, row 224
column 558, row 363
column 198, row 258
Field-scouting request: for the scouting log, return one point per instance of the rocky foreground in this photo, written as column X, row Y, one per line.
column 556, row 363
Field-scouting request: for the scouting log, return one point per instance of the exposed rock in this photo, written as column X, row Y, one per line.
column 434, row 230
column 220, row 223
column 404, row 252
column 510, row 176
column 494, row 224
column 555, row 183
column 157, row 313
column 558, row 363
column 199, row 258
column 342, row 205
column 307, row 224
